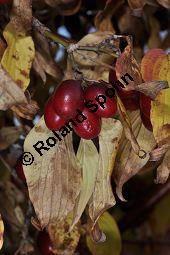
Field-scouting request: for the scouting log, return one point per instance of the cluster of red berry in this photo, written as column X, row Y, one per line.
column 133, row 100
column 70, row 99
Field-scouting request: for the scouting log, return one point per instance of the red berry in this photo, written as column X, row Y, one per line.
column 89, row 128
column 146, row 122
column 19, row 170
column 44, row 243
column 145, row 105
column 130, row 99
column 68, row 98
column 5, row 1
column 52, row 119
column 109, row 106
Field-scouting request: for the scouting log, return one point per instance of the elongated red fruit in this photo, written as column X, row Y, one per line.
column 90, row 127
column 44, row 243
column 107, row 107
column 68, row 98
column 52, row 120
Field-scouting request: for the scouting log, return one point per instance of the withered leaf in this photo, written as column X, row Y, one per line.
column 103, row 18
column 64, row 242
column 163, row 171
column 102, row 197
column 21, row 16
column 10, row 93
column 54, row 178
column 26, row 111
column 164, row 3
column 43, row 65
column 65, row 7
column 137, row 6
column 127, row 163
column 8, row 136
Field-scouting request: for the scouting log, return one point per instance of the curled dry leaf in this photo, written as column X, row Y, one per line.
column 164, row 3
column 127, row 163
column 152, row 88
column 127, row 63
column 137, row 6
column 112, row 244
column 21, row 17
column 93, row 65
column 65, row 7
column 54, row 178
column 163, row 171
column 43, row 65
column 26, row 111
column 1, row 232
column 10, row 93
column 103, row 18
column 64, row 242
column 18, row 56
column 102, row 197
column 8, row 136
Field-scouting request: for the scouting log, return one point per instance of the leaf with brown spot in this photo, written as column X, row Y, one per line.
column 54, row 178
column 18, row 56
column 10, row 93
column 127, row 162
column 64, row 242
column 102, row 197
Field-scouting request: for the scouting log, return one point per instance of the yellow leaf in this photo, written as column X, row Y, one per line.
column 160, row 107
column 112, row 245
column 1, row 232
column 18, row 56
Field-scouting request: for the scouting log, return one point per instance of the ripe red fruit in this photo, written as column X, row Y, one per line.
column 110, row 106
column 146, row 122
column 52, row 119
column 44, row 243
column 130, row 99
column 5, row 1
column 89, row 128
column 145, row 105
column 68, row 98
column 19, row 170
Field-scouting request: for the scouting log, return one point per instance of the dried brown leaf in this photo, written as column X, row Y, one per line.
column 10, row 93
column 42, row 65
column 137, row 6
column 127, row 162
column 26, row 111
column 103, row 18
column 65, row 7
column 21, row 17
column 64, row 242
column 8, row 136
column 54, row 178
column 163, row 171
column 164, row 3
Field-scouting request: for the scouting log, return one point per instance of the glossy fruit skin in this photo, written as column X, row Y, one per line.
column 68, row 98
column 89, row 128
column 146, row 122
column 19, row 170
column 52, row 120
column 110, row 107
column 130, row 99
column 44, row 243
column 145, row 105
